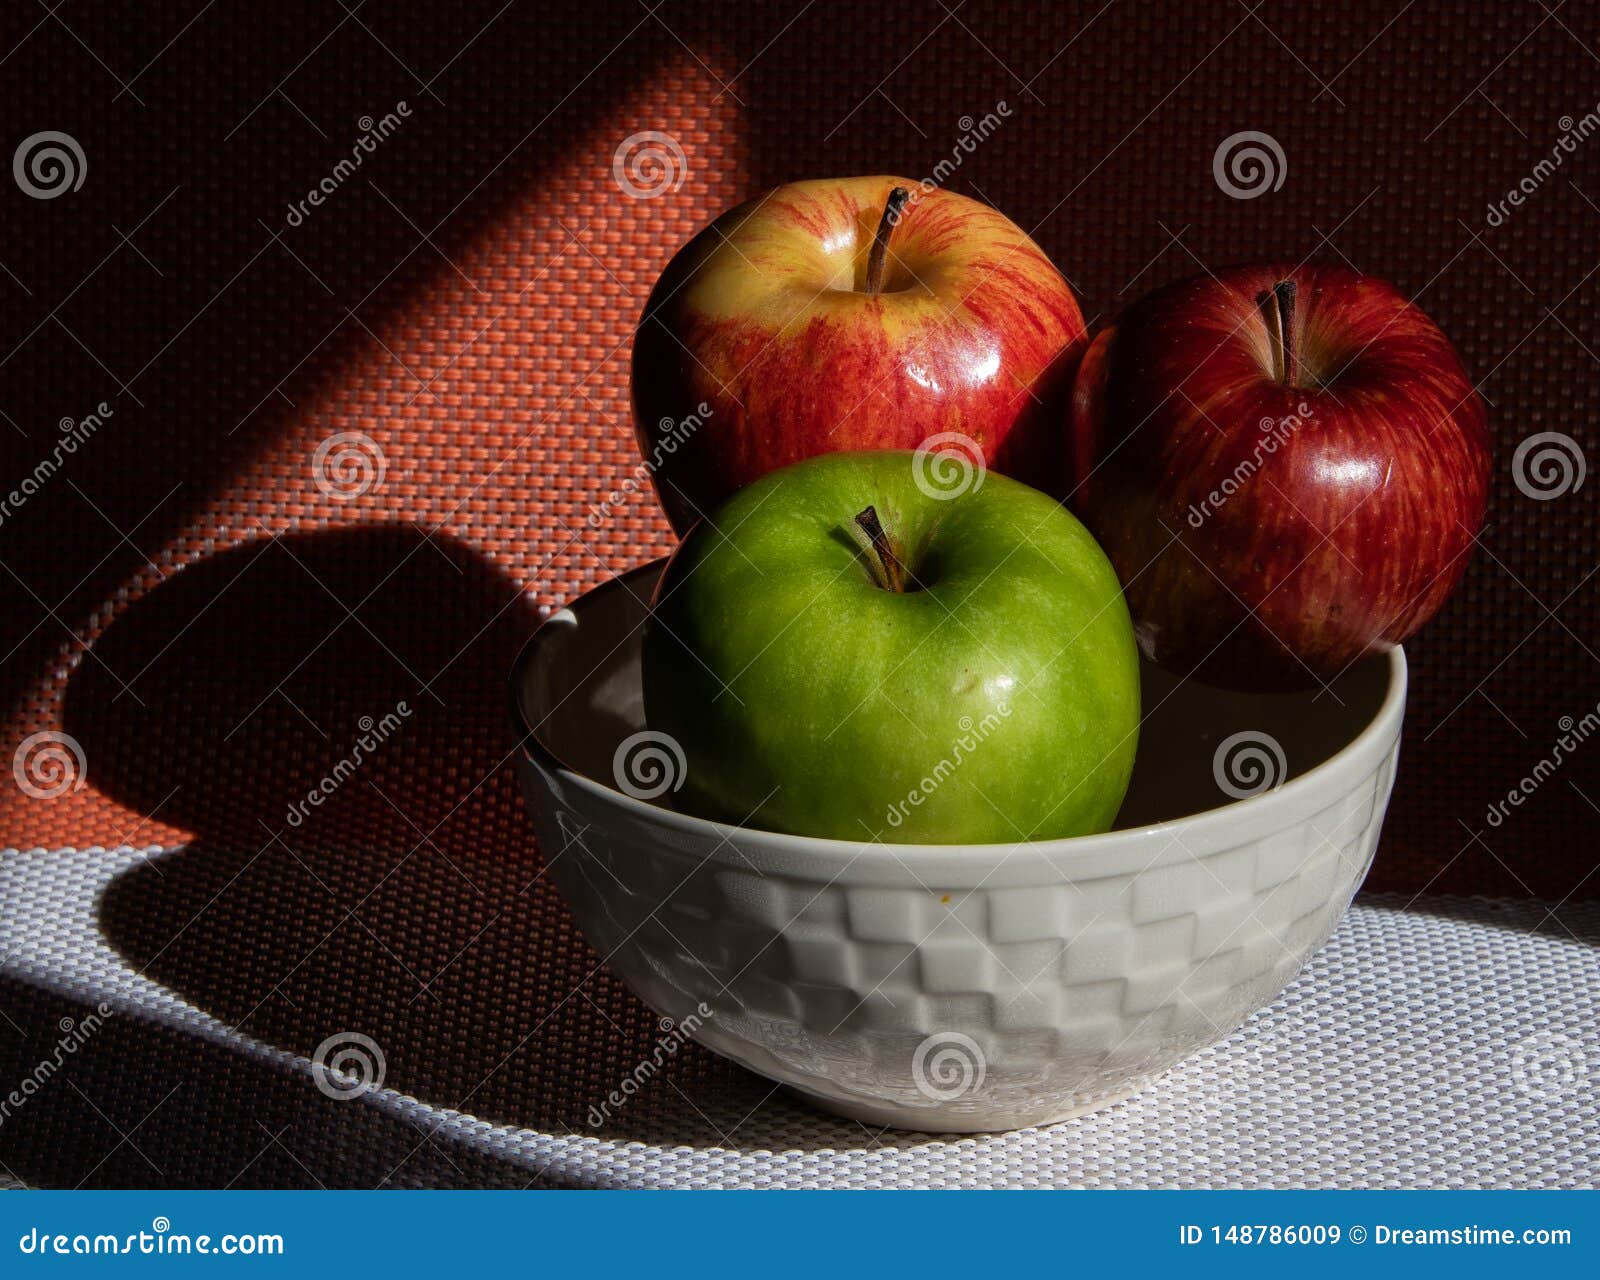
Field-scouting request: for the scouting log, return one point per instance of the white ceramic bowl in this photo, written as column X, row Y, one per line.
column 961, row 988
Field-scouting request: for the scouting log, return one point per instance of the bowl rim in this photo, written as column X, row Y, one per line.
column 1221, row 827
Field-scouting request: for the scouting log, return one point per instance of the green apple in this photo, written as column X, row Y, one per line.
column 856, row 647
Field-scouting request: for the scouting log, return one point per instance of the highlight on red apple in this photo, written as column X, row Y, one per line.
column 1288, row 467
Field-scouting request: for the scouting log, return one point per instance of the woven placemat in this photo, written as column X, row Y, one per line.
column 1437, row 1042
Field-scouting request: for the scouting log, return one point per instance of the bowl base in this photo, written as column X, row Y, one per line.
column 934, row 1119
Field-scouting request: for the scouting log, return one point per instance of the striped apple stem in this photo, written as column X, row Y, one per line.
column 889, row 571
column 877, row 260
column 1284, row 293
column 1277, row 309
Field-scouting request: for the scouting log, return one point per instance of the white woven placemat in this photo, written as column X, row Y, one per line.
column 1433, row 1043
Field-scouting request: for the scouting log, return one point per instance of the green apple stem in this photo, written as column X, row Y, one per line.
column 877, row 260
column 1277, row 309
column 889, row 571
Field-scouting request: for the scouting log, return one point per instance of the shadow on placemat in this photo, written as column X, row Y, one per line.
column 144, row 1104
column 413, row 917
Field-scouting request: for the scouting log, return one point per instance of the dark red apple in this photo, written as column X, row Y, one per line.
column 835, row 315
column 1286, row 465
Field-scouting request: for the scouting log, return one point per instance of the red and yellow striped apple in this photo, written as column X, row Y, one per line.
column 843, row 315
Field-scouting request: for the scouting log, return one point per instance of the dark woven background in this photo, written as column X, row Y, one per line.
column 489, row 359
column 466, row 300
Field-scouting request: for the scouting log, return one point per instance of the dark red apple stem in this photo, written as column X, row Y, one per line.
column 892, row 572
column 1277, row 309
column 878, row 259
